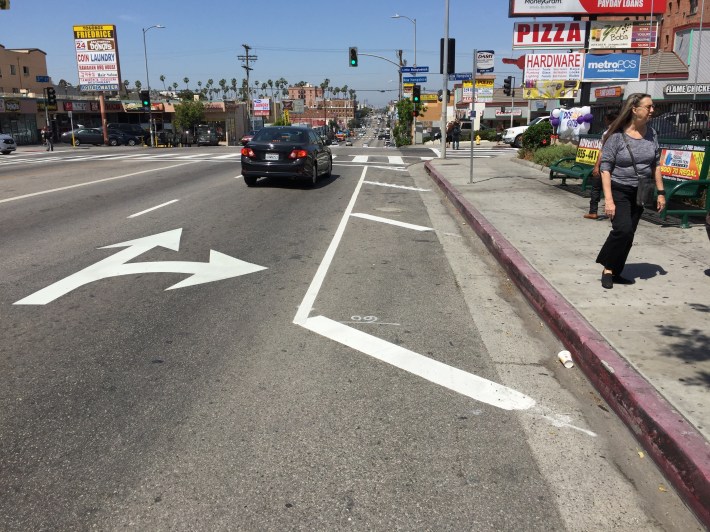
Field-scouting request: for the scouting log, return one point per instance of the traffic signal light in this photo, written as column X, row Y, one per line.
column 51, row 96
column 450, row 57
column 508, row 86
column 353, row 56
column 416, row 94
column 145, row 100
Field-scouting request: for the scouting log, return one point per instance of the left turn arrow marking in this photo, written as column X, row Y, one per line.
column 219, row 267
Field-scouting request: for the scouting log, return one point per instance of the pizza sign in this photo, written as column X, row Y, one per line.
column 553, row 34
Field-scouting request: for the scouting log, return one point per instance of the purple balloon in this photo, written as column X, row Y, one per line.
column 554, row 121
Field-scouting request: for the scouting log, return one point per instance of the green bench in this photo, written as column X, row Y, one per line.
column 681, row 162
column 686, row 189
column 568, row 167
column 581, row 165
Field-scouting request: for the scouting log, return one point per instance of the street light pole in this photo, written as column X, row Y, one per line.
column 413, row 21
column 147, row 78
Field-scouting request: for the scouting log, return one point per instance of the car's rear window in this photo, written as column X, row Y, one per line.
column 279, row 135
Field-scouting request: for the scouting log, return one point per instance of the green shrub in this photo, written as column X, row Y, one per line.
column 537, row 136
column 550, row 154
column 487, row 134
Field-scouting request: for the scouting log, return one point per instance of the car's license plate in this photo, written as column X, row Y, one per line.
column 271, row 157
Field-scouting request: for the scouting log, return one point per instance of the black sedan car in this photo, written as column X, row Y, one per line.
column 116, row 137
column 90, row 135
column 286, row 151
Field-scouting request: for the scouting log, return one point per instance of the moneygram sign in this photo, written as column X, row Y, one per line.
column 612, row 67
column 556, row 8
column 97, row 57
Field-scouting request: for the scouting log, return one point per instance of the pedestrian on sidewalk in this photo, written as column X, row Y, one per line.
column 630, row 151
column 596, row 192
column 456, row 134
column 449, row 129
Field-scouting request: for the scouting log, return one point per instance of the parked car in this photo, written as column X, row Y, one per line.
column 334, row 142
column 682, row 125
column 85, row 135
column 132, row 129
column 7, row 144
column 286, row 151
column 348, row 142
column 247, row 137
column 116, row 137
column 95, row 136
column 514, row 135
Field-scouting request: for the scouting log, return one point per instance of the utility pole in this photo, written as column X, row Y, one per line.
column 246, row 58
column 445, row 76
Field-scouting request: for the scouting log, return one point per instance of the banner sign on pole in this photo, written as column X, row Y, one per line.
column 622, row 34
column 485, row 60
column 554, row 66
column 556, row 8
column 97, row 57
column 553, row 34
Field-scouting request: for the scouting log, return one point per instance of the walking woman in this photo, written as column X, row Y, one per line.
column 630, row 151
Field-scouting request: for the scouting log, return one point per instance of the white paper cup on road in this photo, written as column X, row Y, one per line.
column 566, row 359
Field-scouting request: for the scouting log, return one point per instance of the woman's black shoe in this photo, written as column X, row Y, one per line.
column 607, row 280
column 618, row 279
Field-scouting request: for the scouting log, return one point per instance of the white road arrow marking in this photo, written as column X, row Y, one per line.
column 220, row 266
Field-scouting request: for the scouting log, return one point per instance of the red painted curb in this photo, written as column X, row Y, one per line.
column 679, row 450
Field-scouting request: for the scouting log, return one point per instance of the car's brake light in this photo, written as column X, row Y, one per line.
column 248, row 152
column 298, row 154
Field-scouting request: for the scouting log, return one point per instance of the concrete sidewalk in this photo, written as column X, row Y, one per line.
column 645, row 347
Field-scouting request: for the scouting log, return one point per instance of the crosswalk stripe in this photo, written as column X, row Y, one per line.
column 360, row 158
column 395, row 159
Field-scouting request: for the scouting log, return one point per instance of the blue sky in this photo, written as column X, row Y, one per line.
column 299, row 41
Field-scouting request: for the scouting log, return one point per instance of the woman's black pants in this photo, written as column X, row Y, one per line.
column 623, row 227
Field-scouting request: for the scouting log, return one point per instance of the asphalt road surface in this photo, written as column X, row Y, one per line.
column 181, row 352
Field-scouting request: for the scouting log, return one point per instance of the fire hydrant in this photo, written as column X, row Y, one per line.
column 478, row 140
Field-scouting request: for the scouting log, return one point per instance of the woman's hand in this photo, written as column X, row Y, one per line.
column 660, row 203
column 609, row 209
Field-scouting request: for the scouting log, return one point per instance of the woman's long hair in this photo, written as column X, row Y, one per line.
column 624, row 117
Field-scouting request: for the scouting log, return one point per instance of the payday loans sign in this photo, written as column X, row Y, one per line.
column 556, row 8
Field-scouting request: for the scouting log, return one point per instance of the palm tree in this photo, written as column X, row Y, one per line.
column 162, row 78
column 233, row 86
column 175, row 86
column 126, row 83
column 223, row 86
column 138, row 85
column 324, row 87
column 186, row 81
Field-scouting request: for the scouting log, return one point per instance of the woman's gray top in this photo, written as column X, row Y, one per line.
column 616, row 158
